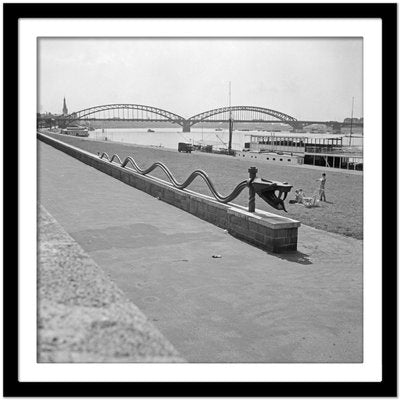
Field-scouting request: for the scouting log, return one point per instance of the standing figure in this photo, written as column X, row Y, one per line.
column 322, row 181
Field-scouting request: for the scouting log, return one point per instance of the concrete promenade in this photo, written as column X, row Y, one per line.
column 82, row 315
column 245, row 306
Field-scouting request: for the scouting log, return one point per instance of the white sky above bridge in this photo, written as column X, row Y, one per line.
column 309, row 79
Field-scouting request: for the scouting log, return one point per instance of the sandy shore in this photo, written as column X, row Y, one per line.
column 342, row 213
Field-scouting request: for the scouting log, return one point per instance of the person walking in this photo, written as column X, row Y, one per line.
column 322, row 181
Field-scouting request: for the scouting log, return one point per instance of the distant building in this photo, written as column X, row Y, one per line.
column 65, row 109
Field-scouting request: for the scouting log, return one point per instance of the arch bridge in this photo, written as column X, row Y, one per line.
column 143, row 113
column 239, row 114
column 123, row 112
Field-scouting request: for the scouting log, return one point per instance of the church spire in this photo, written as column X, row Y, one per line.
column 65, row 109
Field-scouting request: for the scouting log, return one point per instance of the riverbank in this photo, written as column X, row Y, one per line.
column 342, row 213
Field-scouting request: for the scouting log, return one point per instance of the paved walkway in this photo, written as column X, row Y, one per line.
column 82, row 315
column 247, row 306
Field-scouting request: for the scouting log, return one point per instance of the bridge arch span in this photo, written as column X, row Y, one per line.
column 137, row 112
column 144, row 113
column 238, row 113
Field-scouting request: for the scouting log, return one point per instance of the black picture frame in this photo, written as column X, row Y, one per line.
column 12, row 386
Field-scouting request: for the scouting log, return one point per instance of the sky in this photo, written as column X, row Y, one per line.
column 307, row 78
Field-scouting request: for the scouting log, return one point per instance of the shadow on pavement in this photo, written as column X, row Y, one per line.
column 296, row 256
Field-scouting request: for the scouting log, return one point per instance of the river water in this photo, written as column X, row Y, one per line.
column 170, row 137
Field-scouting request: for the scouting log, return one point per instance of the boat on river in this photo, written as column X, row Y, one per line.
column 75, row 130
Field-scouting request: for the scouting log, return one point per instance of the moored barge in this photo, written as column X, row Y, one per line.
column 325, row 150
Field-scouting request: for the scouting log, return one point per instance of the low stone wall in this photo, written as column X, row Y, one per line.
column 83, row 317
column 265, row 230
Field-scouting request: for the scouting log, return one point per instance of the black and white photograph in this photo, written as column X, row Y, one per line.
column 202, row 200
column 247, row 247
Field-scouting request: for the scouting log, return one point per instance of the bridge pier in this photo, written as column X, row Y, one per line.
column 297, row 126
column 186, row 126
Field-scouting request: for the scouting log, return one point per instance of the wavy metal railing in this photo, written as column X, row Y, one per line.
column 264, row 188
column 222, row 199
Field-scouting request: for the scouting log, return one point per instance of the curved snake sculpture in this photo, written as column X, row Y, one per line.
column 264, row 188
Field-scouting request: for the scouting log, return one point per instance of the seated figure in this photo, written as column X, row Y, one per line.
column 300, row 198
column 299, row 195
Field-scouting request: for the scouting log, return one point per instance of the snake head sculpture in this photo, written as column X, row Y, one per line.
column 272, row 192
